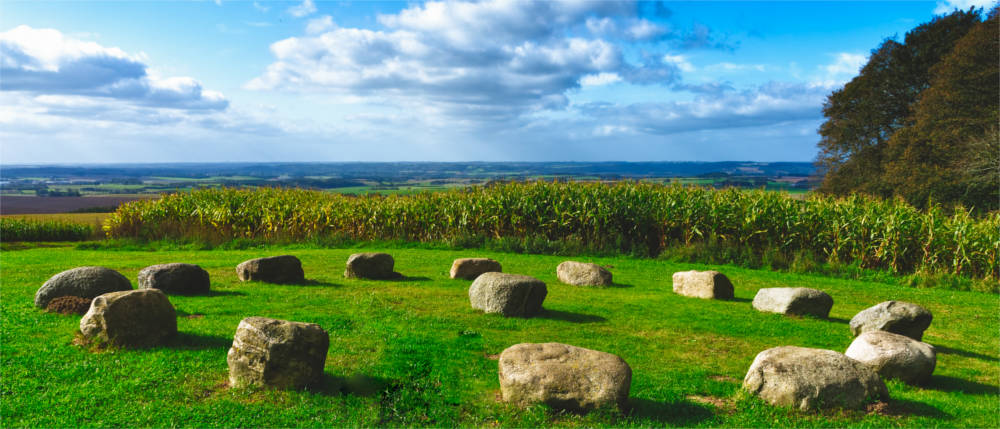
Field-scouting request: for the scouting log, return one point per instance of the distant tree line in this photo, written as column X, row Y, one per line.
column 920, row 120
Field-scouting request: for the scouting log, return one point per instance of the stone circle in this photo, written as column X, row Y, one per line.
column 84, row 282
column 894, row 356
column 470, row 268
column 371, row 265
column 898, row 317
column 583, row 274
column 564, row 377
column 176, row 278
column 274, row 269
column 793, row 300
column 132, row 318
column 703, row 284
column 277, row 353
column 511, row 295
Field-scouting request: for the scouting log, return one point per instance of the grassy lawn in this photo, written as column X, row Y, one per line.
column 413, row 352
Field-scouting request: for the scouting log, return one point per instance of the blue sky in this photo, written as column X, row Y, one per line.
column 497, row 80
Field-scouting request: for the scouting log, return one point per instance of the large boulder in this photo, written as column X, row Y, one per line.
column 583, row 274
column 703, row 284
column 894, row 356
column 274, row 269
column 793, row 300
column 371, row 265
column 470, row 268
column 807, row 378
column 132, row 318
column 84, row 282
column 181, row 279
column 563, row 377
column 508, row 294
column 898, row 317
column 277, row 353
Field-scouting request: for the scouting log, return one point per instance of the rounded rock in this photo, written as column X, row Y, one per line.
column 894, row 356
column 583, row 274
column 132, row 318
column 898, row 317
column 176, row 278
column 470, row 268
column 793, row 300
column 511, row 295
column 703, row 284
column 275, row 269
column 371, row 265
column 277, row 353
column 84, row 282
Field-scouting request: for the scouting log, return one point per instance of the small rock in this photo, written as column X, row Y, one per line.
column 181, row 279
column 894, row 356
column 275, row 269
column 511, row 295
column 69, row 305
column 583, row 274
column 563, row 377
column 812, row 378
column 370, row 265
column 277, row 353
column 132, row 318
column 793, row 300
column 84, row 282
column 898, row 317
column 703, row 284
column 470, row 268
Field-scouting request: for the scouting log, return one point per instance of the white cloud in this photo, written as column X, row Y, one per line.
column 680, row 61
column 644, row 30
column 733, row 67
column 319, row 25
column 949, row 6
column 306, row 8
column 845, row 67
column 600, row 79
column 260, row 7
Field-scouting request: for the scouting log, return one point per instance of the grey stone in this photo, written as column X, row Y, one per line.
column 703, row 284
column 370, row 265
column 132, row 318
column 812, row 378
column 793, row 300
column 563, row 377
column 894, row 356
column 898, row 317
column 274, row 269
column 277, row 353
column 470, row 268
column 583, row 274
column 508, row 294
column 181, row 279
column 84, row 282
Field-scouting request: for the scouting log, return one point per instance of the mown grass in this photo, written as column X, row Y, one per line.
column 413, row 352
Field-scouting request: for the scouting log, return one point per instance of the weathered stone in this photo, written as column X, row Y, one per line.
column 583, row 274
column 894, row 356
column 274, row 269
column 277, row 353
column 132, row 318
column 375, row 266
column 470, row 268
column 84, row 282
column 563, row 377
column 812, row 378
column 69, row 305
column 898, row 317
column 793, row 300
column 181, row 279
column 508, row 294
column 703, row 284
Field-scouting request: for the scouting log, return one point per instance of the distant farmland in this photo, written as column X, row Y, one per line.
column 39, row 205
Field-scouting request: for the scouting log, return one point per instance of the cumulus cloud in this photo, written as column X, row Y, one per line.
column 845, row 67
column 680, row 61
column 319, row 25
column 45, row 62
column 949, row 6
column 306, row 8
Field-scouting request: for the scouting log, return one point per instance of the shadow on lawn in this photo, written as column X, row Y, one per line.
column 963, row 353
column 357, row 384
column 620, row 285
column 192, row 341
column 738, row 299
column 680, row 413
column 314, row 282
column 566, row 316
column 837, row 320
column 224, row 293
column 904, row 407
column 946, row 383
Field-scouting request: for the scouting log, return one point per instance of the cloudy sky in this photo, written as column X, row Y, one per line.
column 497, row 80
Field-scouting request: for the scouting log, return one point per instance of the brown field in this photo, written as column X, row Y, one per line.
column 10, row 204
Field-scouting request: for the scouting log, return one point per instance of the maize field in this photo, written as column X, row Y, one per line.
column 13, row 229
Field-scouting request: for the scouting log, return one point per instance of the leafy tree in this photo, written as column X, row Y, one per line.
column 864, row 114
column 951, row 151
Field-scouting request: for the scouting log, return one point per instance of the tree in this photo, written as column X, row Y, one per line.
column 950, row 152
column 864, row 114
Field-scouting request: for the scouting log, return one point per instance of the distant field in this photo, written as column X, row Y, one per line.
column 33, row 205
column 81, row 218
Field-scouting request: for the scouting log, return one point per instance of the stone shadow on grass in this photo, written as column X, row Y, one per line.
column 620, row 285
column 905, row 407
column 737, row 299
column 192, row 341
column 314, row 282
column 403, row 278
column 837, row 320
column 963, row 353
column 680, row 413
column 567, row 316
column 357, row 385
column 946, row 383
column 222, row 293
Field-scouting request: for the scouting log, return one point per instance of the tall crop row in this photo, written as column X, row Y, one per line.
column 624, row 217
column 13, row 229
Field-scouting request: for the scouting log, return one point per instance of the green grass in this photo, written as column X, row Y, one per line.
column 413, row 353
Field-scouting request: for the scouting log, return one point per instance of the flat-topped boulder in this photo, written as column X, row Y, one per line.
column 132, row 318
column 563, row 377
column 703, row 284
column 273, row 269
column 583, row 274
column 511, row 295
column 807, row 378
column 175, row 278
column 799, row 301
column 371, row 265
column 84, row 282
column 898, row 317
column 470, row 268
column 277, row 353
column 894, row 356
